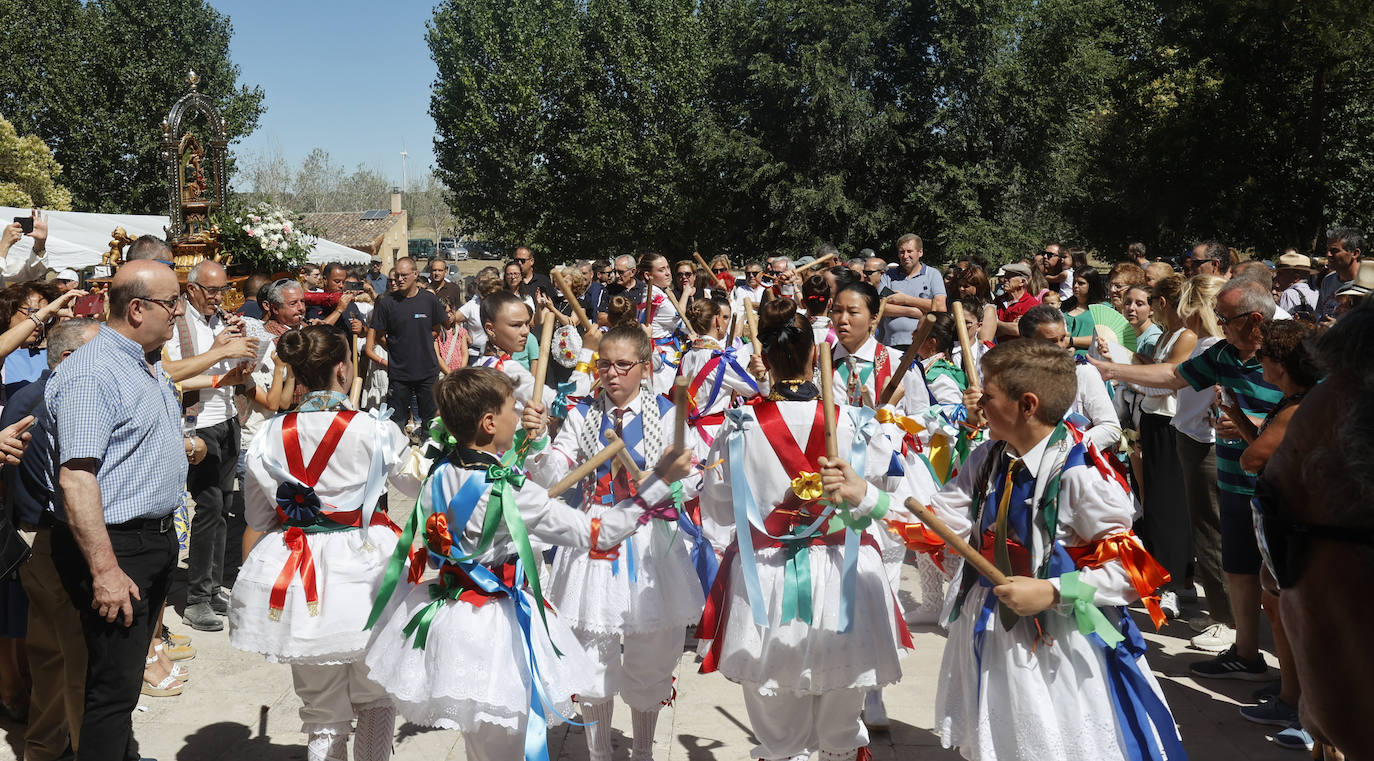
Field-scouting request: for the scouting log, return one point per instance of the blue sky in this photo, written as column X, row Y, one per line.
column 347, row 76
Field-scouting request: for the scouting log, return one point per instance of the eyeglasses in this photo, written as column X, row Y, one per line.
column 1285, row 544
column 524, row 259
column 214, row 290
column 719, row 270
column 753, row 273
column 871, row 272
column 1223, row 320
column 619, row 271
column 169, row 304
column 621, row 367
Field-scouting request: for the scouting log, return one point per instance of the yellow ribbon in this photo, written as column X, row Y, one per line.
column 905, row 423
column 807, row 486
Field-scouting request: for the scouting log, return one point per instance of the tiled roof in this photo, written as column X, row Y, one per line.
column 348, row 228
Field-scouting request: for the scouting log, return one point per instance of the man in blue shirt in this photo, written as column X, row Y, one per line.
column 120, row 462
column 56, row 651
column 910, row 295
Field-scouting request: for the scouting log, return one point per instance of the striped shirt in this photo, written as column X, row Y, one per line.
column 105, row 403
column 1222, row 366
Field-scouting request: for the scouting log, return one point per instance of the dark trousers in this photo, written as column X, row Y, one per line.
column 115, row 652
column 399, row 394
column 1199, row 465
column 1164, row 526
column 211, row 483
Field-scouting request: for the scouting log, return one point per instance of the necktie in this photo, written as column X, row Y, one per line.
column 1001, row 553
column 854, row 389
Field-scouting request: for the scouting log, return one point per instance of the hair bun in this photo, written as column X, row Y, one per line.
column 776, row 314
column 294, row 347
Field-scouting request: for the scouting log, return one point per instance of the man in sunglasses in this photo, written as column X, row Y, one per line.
column 623, row 283
column 874, row 269
column 1243, row 305
column 533, row 281
column 750, row 288
column 1209, row 257
column 208, row 342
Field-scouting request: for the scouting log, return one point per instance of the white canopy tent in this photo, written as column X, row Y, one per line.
column 78, row 239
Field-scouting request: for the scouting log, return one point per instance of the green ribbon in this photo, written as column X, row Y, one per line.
column 1088, row 616
column 420, row 622
column 392, row 576
column 796, row 587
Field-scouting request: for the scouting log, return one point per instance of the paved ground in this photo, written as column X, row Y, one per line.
column 239, row 708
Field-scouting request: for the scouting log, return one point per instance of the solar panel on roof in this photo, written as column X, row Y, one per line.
column 376, row 214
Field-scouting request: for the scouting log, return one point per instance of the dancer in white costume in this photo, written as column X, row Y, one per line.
column 718, row 374
column 656, row 310
column 644, row 596
column 782, row 621
column 319, row 547
column 506, row 320
column 478, row 650
column 1020, row 678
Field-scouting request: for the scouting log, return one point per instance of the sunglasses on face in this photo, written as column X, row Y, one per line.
column 753, row 273
column 525, row 259
column 1223, row 320
column 1285, row 544
column 871, row 272
column 719, row 270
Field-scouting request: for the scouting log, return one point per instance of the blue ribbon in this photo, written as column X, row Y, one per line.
column 1140, row 712
column 727, row 357
column 558, row 408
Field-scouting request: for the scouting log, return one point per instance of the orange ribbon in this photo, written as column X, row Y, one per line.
column 419, row 560
column 1146, row 574
column 437, row 534
column 918, row 538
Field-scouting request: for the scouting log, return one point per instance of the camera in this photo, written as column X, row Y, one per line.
column 25, row 224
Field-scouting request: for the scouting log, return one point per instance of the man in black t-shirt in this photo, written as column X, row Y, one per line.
column 533, row 281
column 408, row 319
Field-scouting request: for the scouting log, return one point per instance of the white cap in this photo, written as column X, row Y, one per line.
column 67, row 274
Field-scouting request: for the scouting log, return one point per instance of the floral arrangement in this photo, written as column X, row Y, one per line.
column 267, row 237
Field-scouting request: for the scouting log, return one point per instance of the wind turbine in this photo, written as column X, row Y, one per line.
column 404, row 179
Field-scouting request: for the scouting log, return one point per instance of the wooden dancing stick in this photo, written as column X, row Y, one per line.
column 697, row 255
column 970, row 369
column 832, row 447
column 541, row 373
column 680, row 419
column 576, row 305
column 627, row 461
column 356, row 392
column 813, row 263
column 681, row 313
column 752, row 320
column 918, row 337
column 587, row 468
column 956, row 543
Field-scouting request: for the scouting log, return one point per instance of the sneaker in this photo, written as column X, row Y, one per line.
column 1294, row 738
column 1229, row 665
column 875, row 713
column 219, row 603
column 1168, row 602
column 1267, row 691
column 202, row 617
column 175, row 639
column 1215, row 638
column 1272, row 711
column 1201, row 622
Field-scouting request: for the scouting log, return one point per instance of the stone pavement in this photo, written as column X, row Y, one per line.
column 237, row 707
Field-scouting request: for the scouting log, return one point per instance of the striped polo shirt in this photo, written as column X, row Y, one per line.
column 1222, row 366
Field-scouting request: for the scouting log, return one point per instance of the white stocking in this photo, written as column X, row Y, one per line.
column 644, row 723
column 327, row 745
column 598, row 734
column 376, row 730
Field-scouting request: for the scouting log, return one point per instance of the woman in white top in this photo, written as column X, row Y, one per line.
column 656, row 311
column 717, row 374
column 319, row 546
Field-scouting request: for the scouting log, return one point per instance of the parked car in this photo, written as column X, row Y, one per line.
column 478, row 249
column 446, row 247
column 420, row 248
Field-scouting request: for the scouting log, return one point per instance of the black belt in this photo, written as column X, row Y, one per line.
column 157, row 525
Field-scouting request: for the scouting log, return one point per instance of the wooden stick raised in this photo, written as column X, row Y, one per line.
column 680, row 418
column 576, row 305
column 832, row 447
column 970, row 369
column 627, row 461
column 681, row 312
column 697, row 255
column 541, row 373
column 587, row 468
column 956, row 543
column 751, row 319
column 918, row 337
column 814, row 263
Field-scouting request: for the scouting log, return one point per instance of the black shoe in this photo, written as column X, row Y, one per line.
column 1229, row 665
column 1267, row 691
column 202, row 617
column 219, row 603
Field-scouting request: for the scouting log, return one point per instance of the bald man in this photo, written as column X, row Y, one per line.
column 207, row 350
column 115, row 422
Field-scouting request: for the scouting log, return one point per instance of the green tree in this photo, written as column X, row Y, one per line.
column 28, row 172
column 95, row 81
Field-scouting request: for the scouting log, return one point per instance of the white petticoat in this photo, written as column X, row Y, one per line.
column 598, row 597
column 347, row 575
column 810, row 659
column 1037, row 700
column 473, row 668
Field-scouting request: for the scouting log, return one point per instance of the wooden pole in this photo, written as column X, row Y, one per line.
column 697, row 255
column 956, row 543
column 681, row 313
column 814, row 263
column 918, row 337
column 627, row 461
column 587, row 468
column 680, row 419
column 752, row 321
column 541, row 372
column 576, row 305
column 970, row 369
column 832, row 447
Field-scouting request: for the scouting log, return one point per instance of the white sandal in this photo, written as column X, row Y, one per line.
column 167, row 688
column 178, row 670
